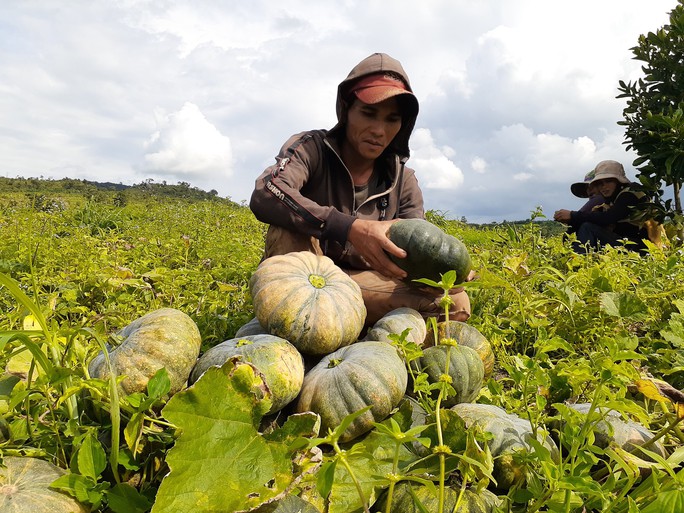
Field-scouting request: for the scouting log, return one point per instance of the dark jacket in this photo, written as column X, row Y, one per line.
column 616, row 214
column 310, row 191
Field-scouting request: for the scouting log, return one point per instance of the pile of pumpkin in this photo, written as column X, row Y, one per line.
column 304, row 339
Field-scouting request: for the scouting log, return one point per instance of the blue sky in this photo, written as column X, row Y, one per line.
column 517, row 96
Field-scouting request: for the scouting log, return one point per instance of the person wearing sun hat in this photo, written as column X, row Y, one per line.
column 335, row 192
column 585, row 189
column 612, row 223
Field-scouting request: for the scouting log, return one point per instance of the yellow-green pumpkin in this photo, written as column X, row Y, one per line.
column 309, row 301
column 395, row 322
column 165, row 338
column 25, row 488
column 627, row 434
column 278, row 360
column 510, row 434
column 369, row 373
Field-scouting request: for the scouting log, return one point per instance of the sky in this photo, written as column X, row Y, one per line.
column 517, row 97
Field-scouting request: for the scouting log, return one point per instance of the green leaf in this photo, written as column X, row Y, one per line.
column 133, row 430
column 220, row 461
column 623, row 304
column 82, row 488
column 670, row 501
column 91, row 457
column 326, row 477
column 674, row 333
column 159, row 384
column 123, row 498
column 370, row 460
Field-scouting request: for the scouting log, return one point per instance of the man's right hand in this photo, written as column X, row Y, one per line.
column 370, row 240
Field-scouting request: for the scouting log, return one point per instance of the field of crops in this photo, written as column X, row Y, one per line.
column 605, row 330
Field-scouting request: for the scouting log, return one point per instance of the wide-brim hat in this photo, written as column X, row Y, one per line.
column 603, row 170
column 610, row 169
column 581, row 189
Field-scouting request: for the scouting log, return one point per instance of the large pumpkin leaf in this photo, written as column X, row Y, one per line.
column 220, row 461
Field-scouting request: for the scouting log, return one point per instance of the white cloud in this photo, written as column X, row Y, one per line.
column 433, row 165
column 186, row 144
column 523, row 177
column 479, row 165
column 504, row 87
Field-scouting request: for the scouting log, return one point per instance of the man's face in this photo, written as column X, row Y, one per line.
column 371, row 128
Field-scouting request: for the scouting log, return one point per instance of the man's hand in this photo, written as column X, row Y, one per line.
column 370, row 239
column 562, row 216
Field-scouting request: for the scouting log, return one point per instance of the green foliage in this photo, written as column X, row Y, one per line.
column 220, row 461
column 564, row 328
column 653, row 117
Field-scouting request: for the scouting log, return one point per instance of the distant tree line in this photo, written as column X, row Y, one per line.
column 87, row 188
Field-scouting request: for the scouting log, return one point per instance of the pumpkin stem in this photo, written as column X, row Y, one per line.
column 334, row 362
column 317, row 280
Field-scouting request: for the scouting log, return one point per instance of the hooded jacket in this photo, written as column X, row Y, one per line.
column 310, row 191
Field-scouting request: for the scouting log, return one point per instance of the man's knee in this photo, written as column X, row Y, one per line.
column 382, row 295
column 280, row 241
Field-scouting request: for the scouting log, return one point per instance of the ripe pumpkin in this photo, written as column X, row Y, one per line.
column 403, row 500
column 25, row 486
column 165, row 338
column 430, row 252
column 626, row 434
column 510, row 434
column 465, row 368
column 308, row 300
column 278, row 360
column 396, row 322
column 465, row 335
column 351, row 378
column 251, row 328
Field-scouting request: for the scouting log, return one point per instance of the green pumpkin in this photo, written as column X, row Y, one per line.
column 510, row 434
column 625, row 434
column 278, row 360
column 403, row 500
column 395, row 322
column 165, row 338
column 25, row 488
column 465, row 368
column 465, row 335
column 363, row 374
column 430, row 252
column 309, row 301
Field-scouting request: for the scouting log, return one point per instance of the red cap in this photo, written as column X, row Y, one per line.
column 378, row 87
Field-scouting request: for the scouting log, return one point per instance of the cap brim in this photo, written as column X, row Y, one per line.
column 377, row 94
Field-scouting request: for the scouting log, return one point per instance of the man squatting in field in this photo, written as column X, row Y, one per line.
column 335, row 192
